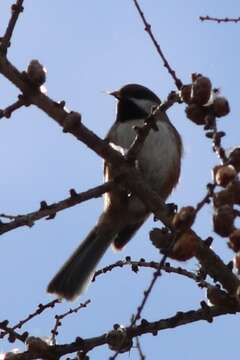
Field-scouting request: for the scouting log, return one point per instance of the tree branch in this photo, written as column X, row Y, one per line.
column 219, row 20
column 216, row 268
column 5, row 40
column 166, row 64
column 135, row 265
column 181, row 318
column 13, row 107
column 51, row 210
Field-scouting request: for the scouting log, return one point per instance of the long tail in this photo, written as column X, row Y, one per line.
column 76, row 273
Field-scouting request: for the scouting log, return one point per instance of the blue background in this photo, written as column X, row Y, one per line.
column 89, row 48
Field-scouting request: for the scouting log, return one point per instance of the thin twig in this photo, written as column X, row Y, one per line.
column 219, row 20
column 37, row 312
column 59, row 319
column 139, row 348
column 7, row 112
column 217, row 147
column 216, row 137
column 206, row 199
column 148, row 290
column 16, row 8
column 166, row 64
column 12, row 334
column 135, row 265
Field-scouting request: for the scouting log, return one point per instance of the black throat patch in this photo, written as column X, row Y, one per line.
column 127, row 110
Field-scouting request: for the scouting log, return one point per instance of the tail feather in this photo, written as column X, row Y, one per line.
column 78, row 270
column 125, row 235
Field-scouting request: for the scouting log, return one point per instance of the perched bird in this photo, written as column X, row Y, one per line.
column 159, row 163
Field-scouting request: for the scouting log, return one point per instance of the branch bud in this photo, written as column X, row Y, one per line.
column 36, row 73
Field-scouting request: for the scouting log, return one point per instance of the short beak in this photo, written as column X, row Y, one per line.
column 116, row 94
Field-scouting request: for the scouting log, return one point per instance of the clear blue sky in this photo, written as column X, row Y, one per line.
column 89, row 47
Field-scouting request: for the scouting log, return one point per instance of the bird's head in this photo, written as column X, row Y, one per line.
column 134, row 102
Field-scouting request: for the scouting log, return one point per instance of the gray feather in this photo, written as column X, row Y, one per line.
column 77, row 272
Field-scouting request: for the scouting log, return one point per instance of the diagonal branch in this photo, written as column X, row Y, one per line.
column 5, row 40
column 7, row 112
column 166, row 64
column 216, row 268
column 12, row 334
column 50, row 211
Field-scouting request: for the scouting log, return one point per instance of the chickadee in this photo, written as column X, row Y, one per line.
column 159, row 162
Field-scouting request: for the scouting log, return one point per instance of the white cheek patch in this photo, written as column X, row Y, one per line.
column 144, row 104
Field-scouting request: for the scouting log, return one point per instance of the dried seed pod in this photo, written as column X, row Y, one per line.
column 223, row 220
column 234, row 240
column 36, row 344
column 224, row 174
column 118, row 339
column 234, row 189
column 196, row 113
column 234, row 158
column 185, row 247
column 185, row 93
column 160, row 238
column 184, row 219
column 201, row 90
column 221, row 106
column 223, row 197
column 36, row 73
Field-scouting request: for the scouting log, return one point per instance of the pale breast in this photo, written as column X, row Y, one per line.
column 160, row 157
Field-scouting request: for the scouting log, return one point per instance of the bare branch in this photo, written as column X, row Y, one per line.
column 148, row 290
column 135, row 265
column 13, row 335
column 51, row 210
column 216, row 268
column 139, row 348
column 41, row 308
column 166, row 64
column 219, row 20
column 181, row 318
column 11, row 108
column 59, row 319
column 16, row 8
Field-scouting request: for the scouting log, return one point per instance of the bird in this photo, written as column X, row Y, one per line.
column 159, row 163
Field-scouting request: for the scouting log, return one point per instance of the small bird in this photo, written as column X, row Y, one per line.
column 159, row 162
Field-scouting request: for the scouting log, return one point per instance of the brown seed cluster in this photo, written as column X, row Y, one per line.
column 203, row 102
column 226, row 200
column 185, row 245
column 184, row 218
